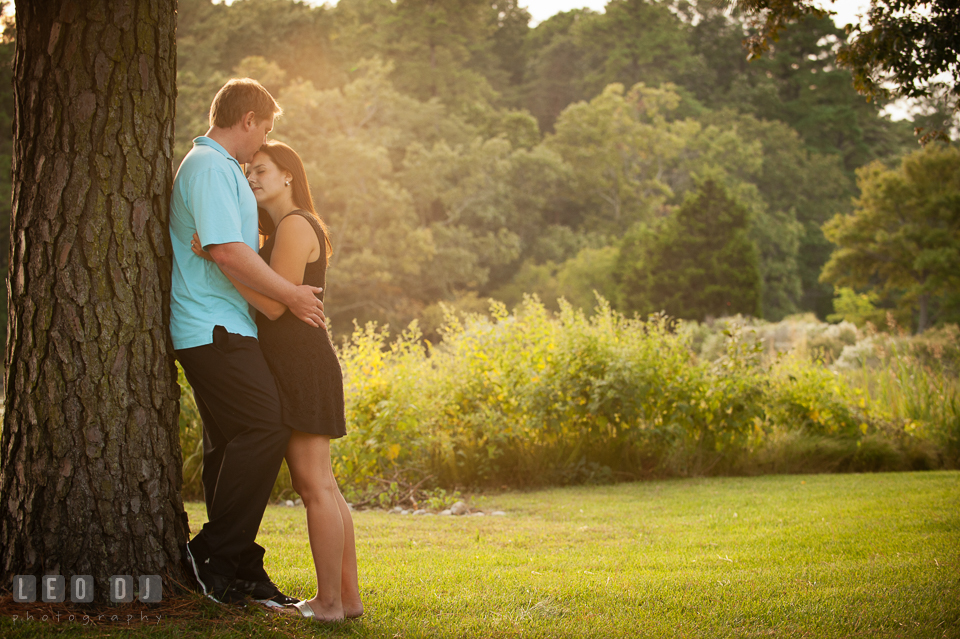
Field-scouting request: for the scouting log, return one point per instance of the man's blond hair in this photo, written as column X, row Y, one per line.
column 238, row 97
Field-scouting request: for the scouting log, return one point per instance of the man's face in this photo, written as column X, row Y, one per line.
column 254, row 138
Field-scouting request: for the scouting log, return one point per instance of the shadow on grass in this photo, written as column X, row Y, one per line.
column 179, row 615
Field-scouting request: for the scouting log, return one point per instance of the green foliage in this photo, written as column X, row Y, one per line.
column 616, row 147
column 191, row 440
column 915, row 400
column 858, row 308
column 439, row 49
column 556, row 66
column 633, row 41
column 421, row 125
column 904, row 237
column 214, row 37
column 802, row 190
column 483, row 202
column 927, row 42
column 800, row 84
column 388, row 421
column 813, row 401
column 701, row 262
column 528, row 399
column 899, row 47
column 512, row 28
column 587, row 274
column 434, row 317
column 631, row 156
column 938, row 349
column 532, row 279
column 534, row 398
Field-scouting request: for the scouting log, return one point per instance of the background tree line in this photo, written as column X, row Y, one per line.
column 458, row 153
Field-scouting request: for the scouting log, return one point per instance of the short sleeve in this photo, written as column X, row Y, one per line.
column 216, row 208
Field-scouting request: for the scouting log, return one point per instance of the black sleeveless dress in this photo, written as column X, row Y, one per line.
column 302, row 357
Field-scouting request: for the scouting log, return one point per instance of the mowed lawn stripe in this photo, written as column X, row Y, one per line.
column 814, row 555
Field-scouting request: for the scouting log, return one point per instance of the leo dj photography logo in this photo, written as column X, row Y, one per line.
column 53, row 589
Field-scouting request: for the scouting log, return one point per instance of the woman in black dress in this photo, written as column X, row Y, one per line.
column 307, row 371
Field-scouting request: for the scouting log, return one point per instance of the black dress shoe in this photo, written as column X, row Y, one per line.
column 265, row 592
column 215, row 586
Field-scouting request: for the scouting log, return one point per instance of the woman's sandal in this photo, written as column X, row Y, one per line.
column 305, row 610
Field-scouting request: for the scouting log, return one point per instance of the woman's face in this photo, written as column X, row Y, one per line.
column 266, row 179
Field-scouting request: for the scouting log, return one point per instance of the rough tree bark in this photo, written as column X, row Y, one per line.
column 91, row 461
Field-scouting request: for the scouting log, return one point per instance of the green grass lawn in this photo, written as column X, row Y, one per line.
column 781, row 556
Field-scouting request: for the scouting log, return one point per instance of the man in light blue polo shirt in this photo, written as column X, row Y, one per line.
column 215, row 338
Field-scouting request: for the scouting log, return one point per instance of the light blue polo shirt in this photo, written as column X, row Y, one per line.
column 211, row 197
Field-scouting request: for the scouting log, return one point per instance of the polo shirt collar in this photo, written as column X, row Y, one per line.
column 205, row 141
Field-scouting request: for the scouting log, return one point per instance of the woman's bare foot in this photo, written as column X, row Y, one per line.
column 328, row 612
column 352, row 610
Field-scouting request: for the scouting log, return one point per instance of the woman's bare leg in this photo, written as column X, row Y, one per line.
column 308, row 457
column 349, row 582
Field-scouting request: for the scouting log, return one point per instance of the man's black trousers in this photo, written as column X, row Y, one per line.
column 243, row 446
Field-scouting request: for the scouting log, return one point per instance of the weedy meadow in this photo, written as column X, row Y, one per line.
column 534, row 398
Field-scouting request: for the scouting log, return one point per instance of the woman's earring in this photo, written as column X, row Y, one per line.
column 287, row 183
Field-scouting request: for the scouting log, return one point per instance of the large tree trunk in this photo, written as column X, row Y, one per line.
column 91, row 458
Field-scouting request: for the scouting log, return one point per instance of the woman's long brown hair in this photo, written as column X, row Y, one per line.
column 287, row 159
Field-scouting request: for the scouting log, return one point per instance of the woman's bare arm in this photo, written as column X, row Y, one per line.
column 294, row 245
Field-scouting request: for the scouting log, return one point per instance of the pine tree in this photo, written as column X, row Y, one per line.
column 91, row 477
column 701, row 262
